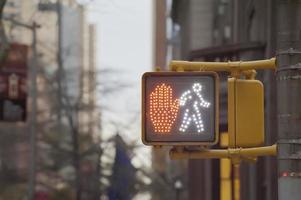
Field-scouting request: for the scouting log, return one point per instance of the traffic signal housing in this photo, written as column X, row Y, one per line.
column 245, row 113
column 180, row 108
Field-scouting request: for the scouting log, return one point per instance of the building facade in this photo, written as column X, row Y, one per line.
column 223, row 30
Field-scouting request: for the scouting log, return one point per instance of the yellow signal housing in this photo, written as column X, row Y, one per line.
column 245, row 113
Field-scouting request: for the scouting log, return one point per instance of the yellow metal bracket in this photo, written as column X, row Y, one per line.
column 237, row 66
column 235, row 154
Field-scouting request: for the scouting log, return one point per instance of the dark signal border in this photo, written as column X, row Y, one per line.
column 179, row 143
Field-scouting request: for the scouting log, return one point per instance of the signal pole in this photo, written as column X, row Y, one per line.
column 289, row 98
column 59, row 60
column 32, row 176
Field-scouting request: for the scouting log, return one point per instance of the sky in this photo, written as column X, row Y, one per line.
column 124, row 47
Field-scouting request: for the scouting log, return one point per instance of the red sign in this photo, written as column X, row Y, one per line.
column 13, row 73
column 13, row 83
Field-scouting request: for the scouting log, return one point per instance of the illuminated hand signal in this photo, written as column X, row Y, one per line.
column 163, row 109
column 192, row 101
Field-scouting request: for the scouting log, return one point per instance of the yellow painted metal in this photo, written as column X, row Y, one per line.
column 237, row 181
column 232, row 153
column 249, row 113
column 225, row 168
column 223, row 66
column 225, row 172
column 249, row 74
column 224, row 139
column 225, row 177
column 245, row 113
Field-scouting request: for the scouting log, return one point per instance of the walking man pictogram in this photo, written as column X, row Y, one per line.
column 192, row 101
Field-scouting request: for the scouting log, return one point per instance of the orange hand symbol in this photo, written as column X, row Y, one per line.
column 163, row 109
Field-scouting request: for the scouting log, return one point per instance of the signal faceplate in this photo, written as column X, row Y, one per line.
column 179, row 108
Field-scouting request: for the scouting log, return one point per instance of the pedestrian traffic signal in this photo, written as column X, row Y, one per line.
column 180, row 108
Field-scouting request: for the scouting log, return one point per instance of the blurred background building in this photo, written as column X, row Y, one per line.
column 66, row 104
column 222, row 30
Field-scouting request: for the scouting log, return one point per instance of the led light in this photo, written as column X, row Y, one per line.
column 163, row 110
column 195, row 113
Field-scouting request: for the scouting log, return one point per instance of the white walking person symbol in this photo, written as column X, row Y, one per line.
column 192, row 101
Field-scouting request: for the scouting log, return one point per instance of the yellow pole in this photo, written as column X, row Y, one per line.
column 225, row 171
column 225, row 179
column 236, row 181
